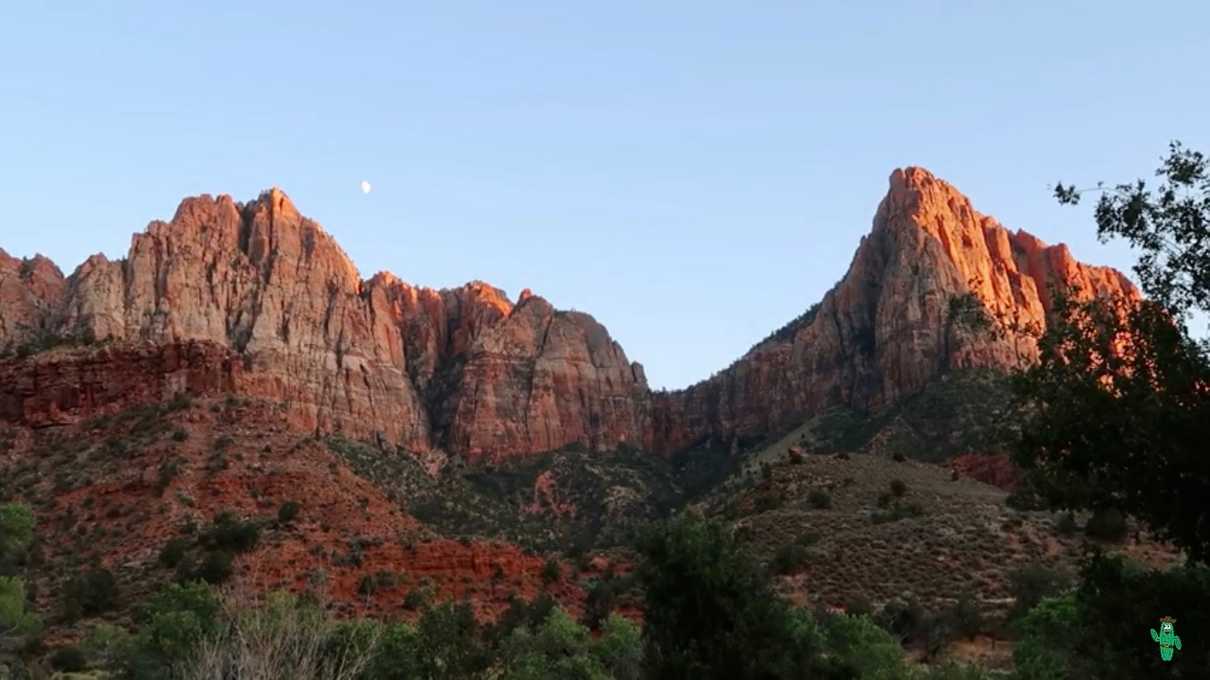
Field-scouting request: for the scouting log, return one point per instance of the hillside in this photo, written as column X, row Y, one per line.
column 233, row 401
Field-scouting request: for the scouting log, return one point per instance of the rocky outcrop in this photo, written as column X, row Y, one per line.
column 29, row 290
column 378, row 359
column 61, row 388
column 541, row 379
column 934, row 286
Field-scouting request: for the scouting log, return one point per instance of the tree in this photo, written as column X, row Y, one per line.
column 1098, row 631
column 1117, row 599
column 1048, row 634
column 965, row 616
column 1170, row 225
column 559, row 648
column 1030, row 584
column 620, row 648
column 450, row 643
column 14, row 620
column 1119, row 403
column 174, row 621
column 863, row 649
column 398, row 654
column 16, row 533
column 90, row 593
column 711, row 611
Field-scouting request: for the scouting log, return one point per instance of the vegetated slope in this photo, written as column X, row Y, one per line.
column 867, row 533
column 141, row 493
column 935, row 286
column 964, row 411
column 572, row 501
column 401, row 418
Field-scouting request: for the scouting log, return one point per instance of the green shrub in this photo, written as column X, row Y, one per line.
column 819, row 499
column 620, row 648
column 1047, row 635
column 416, row 599
column 372, row 583
column 450, row 643
column 180, row 434
column 288, row 511
column 13, row 616
column 168, row 471
column 89, row 593
column 599, row 604
column 901, row 617
column 710, row 610
column 862, row 649
column 790, row 558
column 965, row 617
column 215, row 567
column 768, row 501
column 180, row 401
column 858, row 604
column 68, row 659
column 1107, row 524
column 16, row 530
column 809, row 539
column 172, row 623
column 1066, row 526
column 232, row 534
column 897, row 512
column 173, row 552
column 397, row 655
column 1029, row 585
column 551, row 571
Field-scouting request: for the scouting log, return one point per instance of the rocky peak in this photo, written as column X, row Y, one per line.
column 895, row 321
column 29, row 288
column 276, row 309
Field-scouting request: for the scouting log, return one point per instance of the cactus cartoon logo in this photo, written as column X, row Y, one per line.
column 1167, row 637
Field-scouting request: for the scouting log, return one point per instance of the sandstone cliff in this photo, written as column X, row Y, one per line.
column 270, row 306
column 901, row 315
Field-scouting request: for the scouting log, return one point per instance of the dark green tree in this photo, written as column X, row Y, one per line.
column 711, row 611
column 1119, row 403
column 451, row 643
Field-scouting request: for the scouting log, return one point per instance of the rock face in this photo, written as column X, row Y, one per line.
column 63, row 389
column 29, row 289
column 541, row 379
column 272, row 307
column 935, row 285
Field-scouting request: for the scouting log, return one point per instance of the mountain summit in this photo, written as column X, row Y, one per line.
column 255, row 299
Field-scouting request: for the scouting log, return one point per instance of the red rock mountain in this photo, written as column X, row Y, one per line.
column 257, row 300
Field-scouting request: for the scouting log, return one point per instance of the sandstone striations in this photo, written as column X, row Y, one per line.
column 258, row 300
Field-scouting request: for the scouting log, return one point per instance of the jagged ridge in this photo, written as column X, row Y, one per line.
column 467, row 371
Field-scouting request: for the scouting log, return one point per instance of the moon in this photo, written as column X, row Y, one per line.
column 365, row 187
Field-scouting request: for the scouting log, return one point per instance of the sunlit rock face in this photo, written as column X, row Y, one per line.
column 893, row 323
column 273, row 308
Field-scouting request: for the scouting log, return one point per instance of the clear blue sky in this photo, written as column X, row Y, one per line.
column 694, row 174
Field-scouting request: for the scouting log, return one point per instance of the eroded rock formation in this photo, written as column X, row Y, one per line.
column 907, row 310
column 273, row 308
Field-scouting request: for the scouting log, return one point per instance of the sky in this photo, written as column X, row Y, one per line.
column 693, row 174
